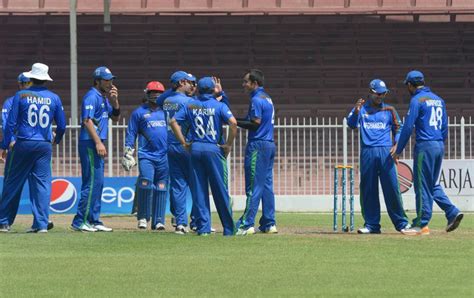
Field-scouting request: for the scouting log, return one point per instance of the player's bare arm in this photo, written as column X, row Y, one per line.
column 113, row 97
column 360, row 102
column 218, row 88
column 3, row 154
column 246, row 124
column 230, row 139
column 99, row 146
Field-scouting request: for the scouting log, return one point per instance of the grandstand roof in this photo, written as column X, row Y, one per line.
column 244, row 7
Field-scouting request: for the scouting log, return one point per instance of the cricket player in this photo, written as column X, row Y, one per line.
column 205, row 118
column 179, row 160
column 427, row 114
column 30, row 118
column 148, row 124
column 98, row 105
column 379, row 127
column 23, row 83
column 259, row 157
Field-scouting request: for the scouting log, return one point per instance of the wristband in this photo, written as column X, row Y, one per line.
column 115, row 112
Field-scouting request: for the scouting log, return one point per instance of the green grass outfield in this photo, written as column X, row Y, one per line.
column 304, row 259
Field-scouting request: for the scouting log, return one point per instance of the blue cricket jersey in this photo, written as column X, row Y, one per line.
column 150, row 127
column 163, row 96
column 261, row 107
column 205, row 117
column 97, row 108
column 376, row 125
column 7, row 106
column 32, row 114
column 171, row 106
column 427, row 113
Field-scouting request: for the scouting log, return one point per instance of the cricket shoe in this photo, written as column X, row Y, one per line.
column 102, row 228
column 270, row 230
column 142, row 224
column 85, row 227
column 32, row 230
column 50, row 225
column 454, row 224
column 244, row 232
column 180, row 230
column 416, row 231
column 4, row 228
column 160, row 227
column 194, row 230
column 366, row 230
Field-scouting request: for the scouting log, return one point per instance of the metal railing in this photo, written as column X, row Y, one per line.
column 307, row 151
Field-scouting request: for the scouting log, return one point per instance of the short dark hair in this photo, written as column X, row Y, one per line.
column 175, row 86
column 37, row 82
column 417, row 83
column 256, row 75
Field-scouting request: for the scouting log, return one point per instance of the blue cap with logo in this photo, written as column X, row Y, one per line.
column 22, row 78
column 206, row 85
column 103, row 73
column 414, row 76
column 181, row 75
column 378, row 86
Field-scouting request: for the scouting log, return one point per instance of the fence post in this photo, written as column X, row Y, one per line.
column 228, row 161
column 344, row 141
column 463, row 139
column 110, row 156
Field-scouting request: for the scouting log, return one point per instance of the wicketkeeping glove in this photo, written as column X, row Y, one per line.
column 128, row 161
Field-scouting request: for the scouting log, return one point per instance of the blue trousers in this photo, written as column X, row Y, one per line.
column 209, row 167
column 156, row 171
column 376, row 163
column 28, row 160
column 427, row 161
column 92, row 169
column 16, row 200
column 259, row 159
column 179, row 171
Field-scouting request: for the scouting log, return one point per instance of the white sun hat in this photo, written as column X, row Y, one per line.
column 39, row 71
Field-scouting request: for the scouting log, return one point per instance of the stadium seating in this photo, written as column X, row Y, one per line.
column 328, row 67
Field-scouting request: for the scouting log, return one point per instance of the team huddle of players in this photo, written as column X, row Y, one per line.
column 181, row 140
column 181, row 146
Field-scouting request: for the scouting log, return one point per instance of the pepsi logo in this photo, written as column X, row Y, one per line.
column 405, row 177
column 63, row 195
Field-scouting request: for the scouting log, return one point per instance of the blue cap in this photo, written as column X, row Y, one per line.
column 206, row 85
column 378, row 86
column 103, row 73
column 22, row 78
column 414, row 76
column 181, row 75
column 193, row 78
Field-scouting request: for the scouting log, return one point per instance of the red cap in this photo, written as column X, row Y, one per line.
column 154, row 86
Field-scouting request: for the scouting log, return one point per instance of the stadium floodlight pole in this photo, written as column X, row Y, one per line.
column 73, row 66
column 107, row 24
